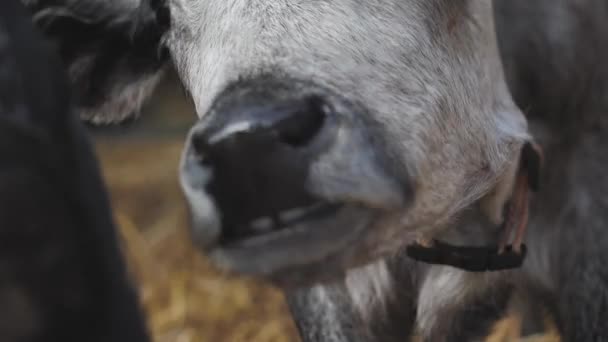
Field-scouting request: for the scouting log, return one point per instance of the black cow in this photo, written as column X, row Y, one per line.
column 62, row 274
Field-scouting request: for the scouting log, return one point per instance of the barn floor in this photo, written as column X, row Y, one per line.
column 187, row 300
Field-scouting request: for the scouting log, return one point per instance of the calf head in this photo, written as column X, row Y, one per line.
column 111, row 49
column 333, row 133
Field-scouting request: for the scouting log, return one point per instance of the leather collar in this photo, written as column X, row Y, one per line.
column 504, row 255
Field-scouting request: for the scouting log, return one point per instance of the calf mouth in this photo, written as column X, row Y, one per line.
column 288, row 235
column 291, row 239
column 267, row 223
column 279, row 226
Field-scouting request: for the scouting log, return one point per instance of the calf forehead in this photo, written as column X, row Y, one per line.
column 397, row 44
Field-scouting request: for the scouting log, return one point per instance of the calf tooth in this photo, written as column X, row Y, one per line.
column 262, row 224
column 293, row 214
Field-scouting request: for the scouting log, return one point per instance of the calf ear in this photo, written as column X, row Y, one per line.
column 493, row 203
column 530, row 161
column 512, row 128
column 113, row 52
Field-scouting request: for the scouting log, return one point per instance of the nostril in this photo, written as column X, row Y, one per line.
column 200, row 146
column 304, row 123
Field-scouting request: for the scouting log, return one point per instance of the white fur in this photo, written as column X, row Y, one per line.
column 445, row 288
column 125, row 101
column 370, row 288
column 320, row 299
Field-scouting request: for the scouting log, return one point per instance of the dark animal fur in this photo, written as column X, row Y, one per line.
column 555, row 55
column 112, row 51
column 62, row 275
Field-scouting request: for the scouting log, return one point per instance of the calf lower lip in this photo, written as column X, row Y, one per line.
column 291, row 221
column 306, row 241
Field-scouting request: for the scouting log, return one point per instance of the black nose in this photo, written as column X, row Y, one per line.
column 260, row 149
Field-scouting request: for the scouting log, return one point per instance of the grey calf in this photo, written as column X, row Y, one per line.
column 333, row 133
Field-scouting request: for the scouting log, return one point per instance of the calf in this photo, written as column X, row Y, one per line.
column 334, row 134
column 111, row 50
column 62, row 276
